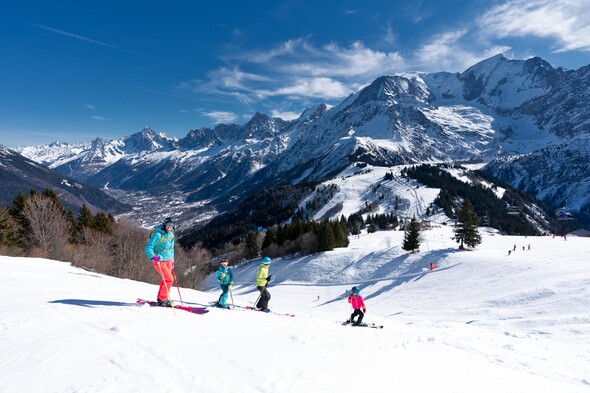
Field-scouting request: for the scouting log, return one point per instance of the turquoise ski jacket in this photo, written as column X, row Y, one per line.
column 161, row 243
column 225, row 275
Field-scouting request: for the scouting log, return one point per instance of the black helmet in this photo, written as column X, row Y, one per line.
column 169, row 221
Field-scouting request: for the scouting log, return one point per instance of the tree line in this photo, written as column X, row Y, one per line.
column 37, row 225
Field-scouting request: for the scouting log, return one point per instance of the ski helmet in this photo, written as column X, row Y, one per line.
column 355, row 290
column 266, row 260
column 169, row 222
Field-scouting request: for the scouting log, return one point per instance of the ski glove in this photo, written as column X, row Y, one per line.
column 222, row 276
column 230, row 286
column 268, row 278
column 364, row 310
column 156, row 258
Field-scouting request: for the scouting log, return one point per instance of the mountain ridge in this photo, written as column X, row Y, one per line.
column 494, row 110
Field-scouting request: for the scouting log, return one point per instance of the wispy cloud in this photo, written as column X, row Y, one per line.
column 321, row 87
column 299, row 70
column 390, row 35
column 221, row 116
column 99, row 118
column 85, row 39
column 285, row 115
column 565, row 21
column 89, row 106
column 444, row 52
column 448, row 51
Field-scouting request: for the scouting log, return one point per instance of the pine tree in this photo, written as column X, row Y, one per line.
column 16, row 212
column 466, row 229
column 251, row 247
column 269, row 238
column 340, row 237
column 412, row 236
column 325, row 235
column 85, row 217
column 102, row 223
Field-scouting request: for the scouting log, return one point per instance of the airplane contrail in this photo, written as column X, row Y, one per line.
column 85, row 39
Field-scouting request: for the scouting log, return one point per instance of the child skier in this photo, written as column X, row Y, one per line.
column 225, row 276
column 357, row 303
column 262, row 279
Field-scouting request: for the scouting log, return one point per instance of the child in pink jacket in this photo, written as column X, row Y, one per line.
column 357, row 303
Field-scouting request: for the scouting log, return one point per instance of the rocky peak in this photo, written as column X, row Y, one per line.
column 394, row 89
column 146, row 140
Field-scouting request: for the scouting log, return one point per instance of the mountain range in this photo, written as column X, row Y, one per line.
column 19, row 174
column 527, row 121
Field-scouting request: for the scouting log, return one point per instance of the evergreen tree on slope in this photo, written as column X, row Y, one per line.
column 466, row 229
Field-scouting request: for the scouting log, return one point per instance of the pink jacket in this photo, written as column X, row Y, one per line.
column 357, row 302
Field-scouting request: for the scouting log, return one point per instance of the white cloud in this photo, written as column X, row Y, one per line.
column 565, row 21
column 313, row 87
column 390, row 35
column 444, row 52
column 221, row 116
column 89, row 106
column 99, row 118
column 285, row 115
column 299, row 70
column 448, row 52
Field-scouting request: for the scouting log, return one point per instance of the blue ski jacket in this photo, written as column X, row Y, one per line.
column 161, row 243
column 225, row 275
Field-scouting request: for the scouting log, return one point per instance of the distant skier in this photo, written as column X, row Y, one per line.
column 160, row 249
column 262, row 280
column 509, row 251
column 356, row 300
column 225, row 277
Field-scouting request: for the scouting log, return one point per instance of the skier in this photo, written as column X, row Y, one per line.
column 225, row 276
column 357, row 303
column 262, row 280
column 160, row 250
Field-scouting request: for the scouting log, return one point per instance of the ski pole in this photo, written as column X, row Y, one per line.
column 167, row 289
column 232, row 298
column 177, row 287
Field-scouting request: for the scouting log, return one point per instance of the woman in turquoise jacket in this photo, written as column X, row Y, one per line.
column 160, row 250
column 225, row 277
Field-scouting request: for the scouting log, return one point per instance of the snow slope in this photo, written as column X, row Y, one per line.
column 483, row 321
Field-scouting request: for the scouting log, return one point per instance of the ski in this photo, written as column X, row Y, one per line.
column 284, row 314
column 194, row 310
column 369, row 325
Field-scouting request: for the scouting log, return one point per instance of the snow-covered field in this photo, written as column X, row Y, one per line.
column 483, row 321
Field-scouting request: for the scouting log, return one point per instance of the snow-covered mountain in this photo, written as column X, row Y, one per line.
column 498, row 109
column 20, row 174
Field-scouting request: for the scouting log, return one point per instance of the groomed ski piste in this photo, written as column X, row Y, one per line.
column 482, row 321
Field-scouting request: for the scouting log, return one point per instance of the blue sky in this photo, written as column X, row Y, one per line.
column 72, row 70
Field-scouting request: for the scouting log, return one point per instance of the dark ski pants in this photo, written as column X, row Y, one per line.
column 264, row 297
column 358, row 313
